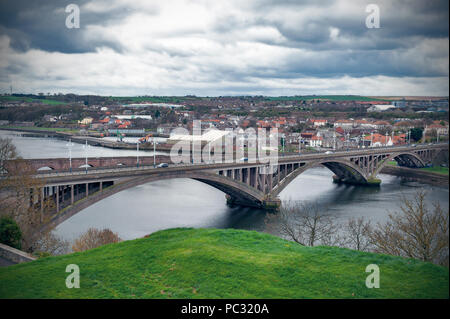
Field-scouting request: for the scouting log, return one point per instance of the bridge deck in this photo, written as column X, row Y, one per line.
column 119, row 172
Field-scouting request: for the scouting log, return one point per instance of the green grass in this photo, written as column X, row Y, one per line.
column 434, row 169
column 29, row 100
column 437, row 170
column 36, row 128
column 212, row 263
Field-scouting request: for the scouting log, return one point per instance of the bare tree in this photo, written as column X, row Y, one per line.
column 93, row 238
column 305, row 224
column 52, row 244
column 415, row 231
column 357, row 234
column 19, row 199
column 8, row 151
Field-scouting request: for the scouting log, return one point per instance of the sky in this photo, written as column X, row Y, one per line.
column 233, row 47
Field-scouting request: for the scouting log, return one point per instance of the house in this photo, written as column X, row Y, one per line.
column 318, row 122
column 381, row 124
column 316, row 141
column 364, row 124
column 378, row 140
column 86, row 121
column 403, row 125
column 345, row 124
column 440, row 129
column 50, row 118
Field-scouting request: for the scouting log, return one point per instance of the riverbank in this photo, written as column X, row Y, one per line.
column 90, row 139
column 415, row 174
column 222, row 263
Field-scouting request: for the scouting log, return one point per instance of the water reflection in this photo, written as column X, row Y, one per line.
column 187, row 203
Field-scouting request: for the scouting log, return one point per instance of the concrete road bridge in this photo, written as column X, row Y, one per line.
column 250, row 184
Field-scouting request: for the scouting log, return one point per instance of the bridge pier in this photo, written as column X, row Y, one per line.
column 368, row 182
column 271, row 204
column 267, row 204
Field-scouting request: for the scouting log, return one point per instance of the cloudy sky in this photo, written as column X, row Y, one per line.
column 215, row 47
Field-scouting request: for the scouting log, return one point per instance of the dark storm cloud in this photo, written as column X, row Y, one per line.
column 293, row 39
column 41, row 25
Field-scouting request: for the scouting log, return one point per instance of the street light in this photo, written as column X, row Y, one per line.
column 299, row 143
column 209, row 152
column 154, row 152
column 70, row 145
column 137, row 153
column 334, row 140
column 86, row 146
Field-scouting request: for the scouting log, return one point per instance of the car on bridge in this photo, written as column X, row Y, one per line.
column 162, row 165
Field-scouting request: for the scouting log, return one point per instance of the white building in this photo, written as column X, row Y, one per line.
column 380, row 107
column 132, row 117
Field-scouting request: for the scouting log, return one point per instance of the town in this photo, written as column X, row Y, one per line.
column 304, row 123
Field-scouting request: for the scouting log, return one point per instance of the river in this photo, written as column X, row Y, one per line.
column 166, row 204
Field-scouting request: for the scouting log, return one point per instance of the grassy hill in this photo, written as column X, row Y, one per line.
column 212, row 263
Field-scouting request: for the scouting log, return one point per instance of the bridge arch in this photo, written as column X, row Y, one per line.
column 440, row 156
column 344, row 171
column 46, row 168
column 85, row 166
column 407, row 159
column 238, row 190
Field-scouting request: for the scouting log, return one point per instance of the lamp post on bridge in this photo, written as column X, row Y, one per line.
column 299, row 143
column 154, row 152
column 70, row 145
column 137, row 153
column 334, row 140
column 86, row 146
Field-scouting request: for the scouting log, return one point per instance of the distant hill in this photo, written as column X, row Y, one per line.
column 328, row 98
column 213, row 263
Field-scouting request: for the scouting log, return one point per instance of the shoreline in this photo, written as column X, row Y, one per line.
column 417, row 175
column 92, row 140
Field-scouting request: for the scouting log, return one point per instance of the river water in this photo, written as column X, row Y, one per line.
column 166, row 204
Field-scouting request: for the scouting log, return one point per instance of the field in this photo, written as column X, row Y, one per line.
column 37, row 128
column 29, row 100
column 212, row 263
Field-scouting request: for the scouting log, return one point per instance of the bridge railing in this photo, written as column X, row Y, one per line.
column 91, row 170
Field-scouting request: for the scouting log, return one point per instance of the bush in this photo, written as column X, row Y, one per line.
column 93, row 238
column 10, row 233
